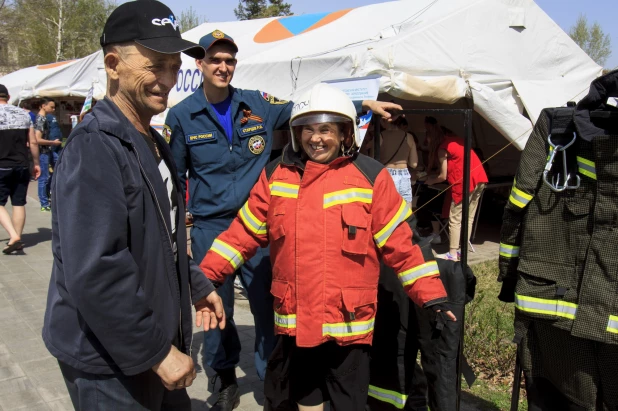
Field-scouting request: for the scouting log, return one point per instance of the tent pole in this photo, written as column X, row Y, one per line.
column 376, row 136
column 464, row 237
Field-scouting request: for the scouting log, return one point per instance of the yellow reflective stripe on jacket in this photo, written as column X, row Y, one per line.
column 350, row 329
column 612, row 325
column 396, row 399
column 550, row 150
column 228, row 252
column 280, row 189
column 509, row 251
column 556, row 308
column 424, row 270
column 351, row 195
column 250, row 221
column 285, row 321
column 519, row 198
column 586, row 167
column 402, row 214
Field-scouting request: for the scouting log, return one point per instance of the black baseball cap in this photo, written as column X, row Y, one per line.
column 217, row 36
column 151, row 24
column 4, row 92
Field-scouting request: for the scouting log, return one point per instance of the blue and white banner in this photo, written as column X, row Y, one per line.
column 88, row 102
column 359, row 89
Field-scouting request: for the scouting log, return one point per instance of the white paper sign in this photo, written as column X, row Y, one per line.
column 359, row 89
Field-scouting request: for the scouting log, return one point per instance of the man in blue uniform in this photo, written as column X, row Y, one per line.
column 223, row 136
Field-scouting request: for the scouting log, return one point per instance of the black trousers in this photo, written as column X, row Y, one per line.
column 142, row 392
column 402, row 329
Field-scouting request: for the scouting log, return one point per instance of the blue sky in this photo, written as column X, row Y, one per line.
column 563, row 12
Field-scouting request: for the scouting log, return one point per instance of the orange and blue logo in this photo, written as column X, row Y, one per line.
column 287, row 27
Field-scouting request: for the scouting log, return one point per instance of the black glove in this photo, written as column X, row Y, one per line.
column 507, row 292
column 441, row 318
column 440, row 307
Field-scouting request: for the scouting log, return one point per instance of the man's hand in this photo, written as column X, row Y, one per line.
column 209, row 311
column 176, row 370
column 381, row 107
column 56, row 142
column 37, row 172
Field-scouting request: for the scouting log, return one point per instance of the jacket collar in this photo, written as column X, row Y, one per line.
column 596, row 100
column 113, row 121
column 198, row 102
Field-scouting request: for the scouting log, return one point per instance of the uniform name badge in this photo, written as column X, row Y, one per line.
column 257, row 145
column 204, row 137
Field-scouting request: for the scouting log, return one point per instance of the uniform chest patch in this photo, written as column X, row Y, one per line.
column 257, row 145
column 204, row 137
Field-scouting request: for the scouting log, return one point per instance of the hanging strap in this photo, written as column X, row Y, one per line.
column 562, row 126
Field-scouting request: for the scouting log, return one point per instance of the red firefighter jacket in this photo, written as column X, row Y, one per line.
column 327, row 225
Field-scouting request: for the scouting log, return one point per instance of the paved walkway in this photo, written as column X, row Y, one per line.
column 29, row 375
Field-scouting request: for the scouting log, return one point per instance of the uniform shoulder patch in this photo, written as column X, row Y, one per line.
column 272, row 99
column 369, row 167
column 167, row 133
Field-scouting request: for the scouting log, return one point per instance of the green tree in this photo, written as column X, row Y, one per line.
column 591, row 39
column 259, row 9
column 44, row 31
column 190, row 19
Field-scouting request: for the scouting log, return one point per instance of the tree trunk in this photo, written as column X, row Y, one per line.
column 59, row 53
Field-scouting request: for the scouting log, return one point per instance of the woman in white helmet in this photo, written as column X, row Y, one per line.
column 329, row 215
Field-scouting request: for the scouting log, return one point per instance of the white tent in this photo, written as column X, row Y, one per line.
column 71, row 78
column 505, row 58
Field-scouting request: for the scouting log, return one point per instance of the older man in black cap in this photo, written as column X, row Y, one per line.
column 118, row 313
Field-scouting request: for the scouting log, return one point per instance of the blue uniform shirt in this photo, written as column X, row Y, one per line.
column 223, row 110
column 221, row 174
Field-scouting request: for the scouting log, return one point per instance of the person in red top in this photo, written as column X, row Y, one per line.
column 447, row 149
column 329, row 215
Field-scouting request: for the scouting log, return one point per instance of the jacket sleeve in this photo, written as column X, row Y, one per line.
column 178, row 145
column 201, row 286
column 525, row 186
column 241, row 240
column 393, row 237
column 100, row 275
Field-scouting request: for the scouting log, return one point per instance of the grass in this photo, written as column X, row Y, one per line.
column 488, row 342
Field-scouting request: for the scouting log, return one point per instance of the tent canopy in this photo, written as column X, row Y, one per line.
column 62, row 79
column 506, row 55
column 505, row 58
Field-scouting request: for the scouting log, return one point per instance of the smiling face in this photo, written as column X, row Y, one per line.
column 145, row 77
column 218, row 66
column 321, row 141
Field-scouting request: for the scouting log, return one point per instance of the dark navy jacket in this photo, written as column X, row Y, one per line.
column 117, row 298
column 222, row 175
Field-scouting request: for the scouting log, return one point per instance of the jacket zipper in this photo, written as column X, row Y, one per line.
column 169, row 237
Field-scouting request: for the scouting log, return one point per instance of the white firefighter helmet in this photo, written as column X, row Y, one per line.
column 324, row 104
